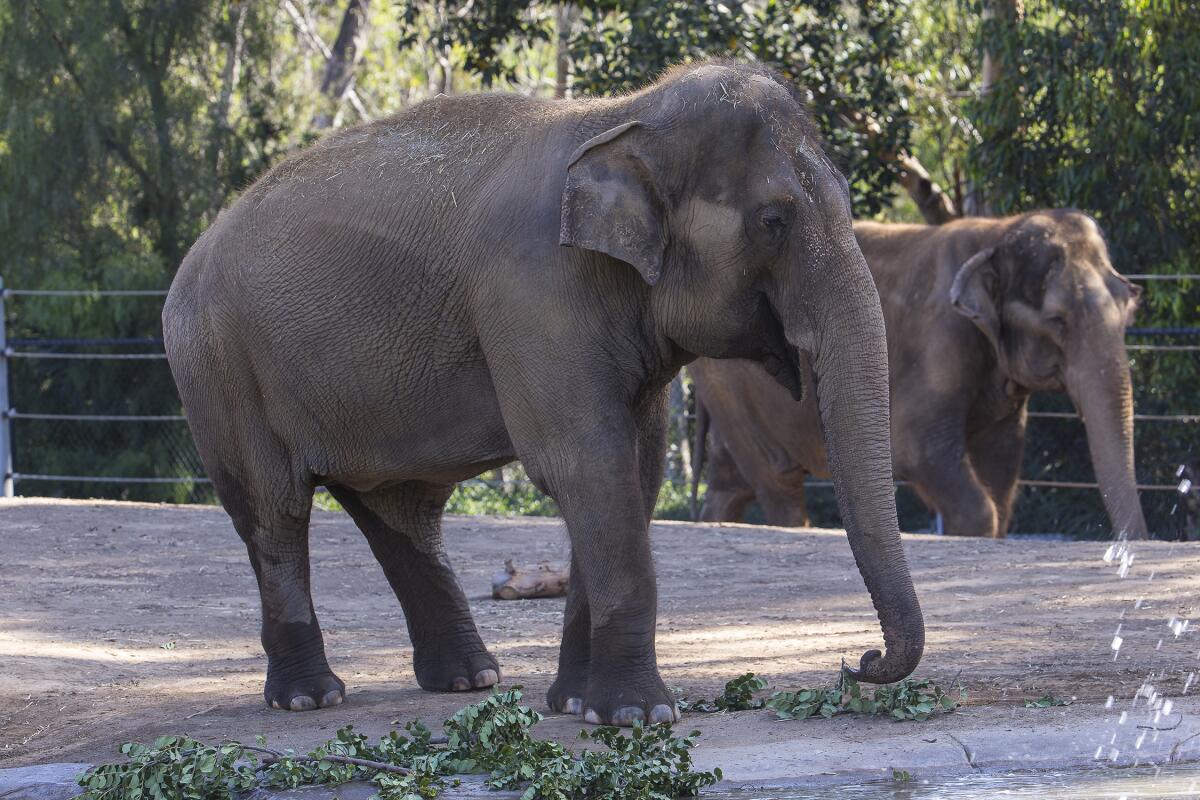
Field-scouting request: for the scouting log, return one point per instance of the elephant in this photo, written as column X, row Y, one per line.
column 980, row 314
column 486, row 278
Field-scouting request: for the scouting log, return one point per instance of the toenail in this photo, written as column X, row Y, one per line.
column 625, row 717
column 591, row 717
column 332, row 698
column 303, row 703
column 662, row 713
column 573, row 705
column 486, row 677
column 461, row 685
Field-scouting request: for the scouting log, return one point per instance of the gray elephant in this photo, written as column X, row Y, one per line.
column 394, row 311
column 980, row 313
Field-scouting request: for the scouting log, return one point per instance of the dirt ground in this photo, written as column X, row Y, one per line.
column 126, row 621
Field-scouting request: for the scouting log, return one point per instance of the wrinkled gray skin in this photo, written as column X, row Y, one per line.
column 394, row 311
column 980, row 313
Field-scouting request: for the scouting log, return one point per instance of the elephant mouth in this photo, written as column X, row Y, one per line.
column 779, row 357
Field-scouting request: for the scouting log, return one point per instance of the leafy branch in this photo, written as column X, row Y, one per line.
column 492, row 736
column 906, row 700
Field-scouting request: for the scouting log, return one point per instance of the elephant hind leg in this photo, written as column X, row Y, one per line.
column 729, row 493
column 271, row 514
column 269, row 499
column 784, row 502
column 403, row 526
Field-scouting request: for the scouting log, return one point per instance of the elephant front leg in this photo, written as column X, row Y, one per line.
column 603, row 503
column 996, row 453
column 945, row 479
column 575, row 653
column 574, row 659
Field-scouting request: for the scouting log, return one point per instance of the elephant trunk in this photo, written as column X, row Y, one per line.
column 850, row 362
column 1103, row 395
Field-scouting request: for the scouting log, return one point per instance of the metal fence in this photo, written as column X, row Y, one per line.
column 52, row 350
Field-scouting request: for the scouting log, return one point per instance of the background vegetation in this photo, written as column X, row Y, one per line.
column 126, row 125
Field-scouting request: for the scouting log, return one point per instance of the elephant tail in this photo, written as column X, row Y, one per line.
column 699, row 448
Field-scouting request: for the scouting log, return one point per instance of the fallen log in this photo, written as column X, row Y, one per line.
column 520, row 582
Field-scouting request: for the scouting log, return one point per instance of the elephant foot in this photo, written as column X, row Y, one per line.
column 622, row 700
column 567, row 692
column 305, row 691
column 455, row 669
column 298, row 675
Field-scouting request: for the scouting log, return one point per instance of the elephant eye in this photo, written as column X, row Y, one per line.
column 775, row 218
column 1057, row 326
column 772, row 219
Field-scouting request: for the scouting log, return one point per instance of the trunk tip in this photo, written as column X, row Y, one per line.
column 875, row 667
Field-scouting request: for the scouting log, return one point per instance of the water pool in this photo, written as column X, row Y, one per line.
column 1142, row 783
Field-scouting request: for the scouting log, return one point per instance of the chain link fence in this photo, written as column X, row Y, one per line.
column 100, row 417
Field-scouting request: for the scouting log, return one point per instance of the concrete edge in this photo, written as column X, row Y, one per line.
column 57, row 781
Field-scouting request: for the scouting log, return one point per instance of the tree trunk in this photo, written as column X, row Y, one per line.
column 230, row 74
column 342, row 61
column 564, row 19
column 315, row 42
column 999, row 16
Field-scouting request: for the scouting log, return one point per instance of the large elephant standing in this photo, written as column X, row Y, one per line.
column 394, row 311
column 980, row 313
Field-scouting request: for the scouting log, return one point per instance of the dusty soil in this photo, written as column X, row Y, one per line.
column 128, row 621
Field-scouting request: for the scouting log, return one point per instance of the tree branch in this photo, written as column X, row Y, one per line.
column 935, row 205
column 107, row 134
column 932, row 201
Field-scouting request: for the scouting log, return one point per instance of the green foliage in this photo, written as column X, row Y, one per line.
column 174, row 767
column 515, row 496
column 738, row 695
column 505, row 499
column 907, row 700
column 838, row 53
column 1048, row 701
column 492, row 736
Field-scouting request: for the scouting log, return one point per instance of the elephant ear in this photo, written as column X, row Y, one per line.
column 611, row 203
column 973, row 295
column 1135, row 296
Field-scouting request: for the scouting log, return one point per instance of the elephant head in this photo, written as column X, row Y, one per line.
column 720, row 196
column 1054, row 310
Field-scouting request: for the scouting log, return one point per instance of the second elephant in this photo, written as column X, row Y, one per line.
column 980, row 313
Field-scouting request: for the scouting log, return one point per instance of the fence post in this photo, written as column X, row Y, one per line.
column 6, row 463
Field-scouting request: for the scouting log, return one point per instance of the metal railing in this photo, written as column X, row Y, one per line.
column 9, row 414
